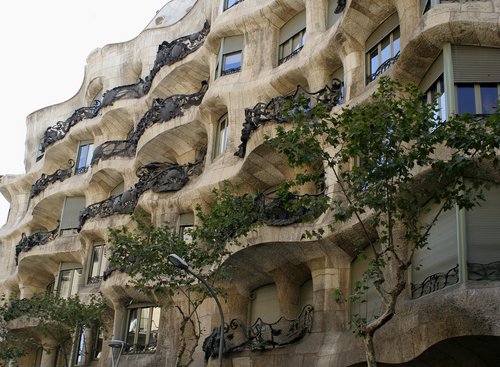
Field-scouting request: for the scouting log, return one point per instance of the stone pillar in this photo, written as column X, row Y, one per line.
column 49, row 357
column 288, row 294
column 315, row 17
column 354, row 74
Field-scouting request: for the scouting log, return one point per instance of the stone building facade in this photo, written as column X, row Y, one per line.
column 162, row 119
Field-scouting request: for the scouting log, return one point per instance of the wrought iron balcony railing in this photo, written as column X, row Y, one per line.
column 283, row 109
column 168, row 53
column 36, row 239
column 382, row 68
column 260, row 335
column 45, row 180
column 290, row 56
column 435, row 282
column 158, row 177
column 162, row 110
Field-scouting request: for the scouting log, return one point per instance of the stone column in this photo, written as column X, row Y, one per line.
column 49, row 357
column 288, row 294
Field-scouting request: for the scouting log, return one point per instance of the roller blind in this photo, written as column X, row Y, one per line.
column 232, row 44
column 383, row 30
column 293, row 26
column 483, row 230
column 71, row 211
column 186, row 219
column 442, row 242
column 472, row 64
column 265, row 304
column 432, row 74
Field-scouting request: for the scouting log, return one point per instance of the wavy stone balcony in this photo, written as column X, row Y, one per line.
column 260, row 335
column 155, row 176
column 162, row 110
column 168, row 53
column 36, row 239
column 282, row 109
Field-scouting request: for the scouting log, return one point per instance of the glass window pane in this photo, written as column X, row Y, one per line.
column 386, row 50
column 90, row 154
column 153, row 334
column 396, row 44
column 82, row 156
column 465, row 99
column 286, row 49
column 98, row 341
column 374, row 61
column 77, row 276
column 232, row 61
column 489, row 98
column 96, row 259
column 229, row 3
column 131, row 329
column 297, row 41
column 222, row 135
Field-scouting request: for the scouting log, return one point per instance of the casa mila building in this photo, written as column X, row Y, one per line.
column 161, row 120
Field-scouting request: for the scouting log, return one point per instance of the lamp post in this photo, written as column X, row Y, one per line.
column 180, row 263
column 116, row 344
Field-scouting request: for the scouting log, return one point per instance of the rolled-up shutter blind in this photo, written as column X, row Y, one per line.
column 265, row 304
column 233, row 44
column 293, row 26
column 383, row 30
column 442, row 242
column 432, row 74
column 483, row 230
column 71, row 211
column 186, row 219
column 472, row 64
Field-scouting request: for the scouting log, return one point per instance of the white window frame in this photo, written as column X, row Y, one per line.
column 81, row 169
column 221, row 139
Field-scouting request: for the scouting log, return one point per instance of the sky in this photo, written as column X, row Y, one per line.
column 44, row 47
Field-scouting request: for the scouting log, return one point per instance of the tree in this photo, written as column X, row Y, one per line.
column 60, row 319
column 143, row 254
column 390, row 157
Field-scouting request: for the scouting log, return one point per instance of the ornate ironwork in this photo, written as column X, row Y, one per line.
column 162, row 110
column 489, row 271
column 340, row 6
column 284, row 210
column 168, row 53
column 260, row 335
column 95, row 280
column 291, row 56
column 61, row 128
column 382, row 68
column 435, row 282
column 113, row 148
column 155, row 176
column 45, row 180
column 283, row 108
column 36, row 239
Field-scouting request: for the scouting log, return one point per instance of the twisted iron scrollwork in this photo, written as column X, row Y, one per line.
column 113, row 148
column 61, row 128
column 382, row 68
column 260, row 335
column 340, row 6
column 45, row 180
column 36, row 239
column 489, row 271
column 168, row 53
column 435, row 282
column 283, row 109
column 155, row 176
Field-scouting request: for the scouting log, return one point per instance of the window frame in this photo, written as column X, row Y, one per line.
column 478, row 103
column 436, row 93
column 102, row 262
column 228, row 71
column 282, row 58
column 221, row 140
column 382, row 64
column 83, row 167
column 225, row 5
column 132, row 348
column 72, row 291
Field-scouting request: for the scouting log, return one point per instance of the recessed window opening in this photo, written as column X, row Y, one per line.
column 142, row 330
column 84, row 157
column 98, row 264
column 477, row 98
column 221, row 136
column 292, row 38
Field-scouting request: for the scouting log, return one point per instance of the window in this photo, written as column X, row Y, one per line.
column 334, row 11
column 230, row 3
column 69, row 281
column 81, row 347
column 292, row 38
column 186, row 224
column 98, row 340
column 84, row 157
column 70, row 215
column 436, row 94
column 98, row 264
column 221, row 134
column 264, row 304
column 142, row 330
column 382, row 48
column 477, row 98
column 230, row 56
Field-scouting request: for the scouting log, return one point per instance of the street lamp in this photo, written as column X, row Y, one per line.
column 116, row 344
column 180, row 263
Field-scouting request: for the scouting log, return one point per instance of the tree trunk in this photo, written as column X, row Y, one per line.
column 369, row 350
